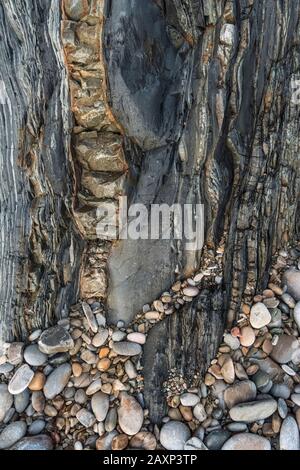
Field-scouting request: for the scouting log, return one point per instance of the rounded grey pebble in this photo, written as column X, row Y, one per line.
column 173, row 435
column 289, row 434
column 6, row 401
column 237, row 427
column 21, row 401
column 215, row 439
column 34, row 357
column 36, row 427
column 41, row 442
column 12, row 433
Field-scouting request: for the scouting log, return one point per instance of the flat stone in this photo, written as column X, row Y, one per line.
column 143, row 440
column 86, row 418
column 21, row 379
column 253, row 411
column 247, row 441
column 138, row 338
column 286, row 348
column 131, row 415
column 189, row 399
column 240, row 392
column 91, row 320
column 194, row 444
column 57, row 381
column 291, row 279
column 6, row 401
column 216, row 439
column 34, row 357
column 15, row 353
column 12, row 433
column 125, row 348
column 100, row 405
column 289, row 434
column 41, row 442
column 54, row 340
column 237, row 427
column 259, row 316
column 100, row 338
column 174, row 435
column 21, row 401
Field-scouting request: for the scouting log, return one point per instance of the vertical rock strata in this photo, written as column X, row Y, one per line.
column 39, row 254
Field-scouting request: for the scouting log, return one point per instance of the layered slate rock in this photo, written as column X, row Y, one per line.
column 185, row 342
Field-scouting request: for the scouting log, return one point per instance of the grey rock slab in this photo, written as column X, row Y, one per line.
column 289, row 434
column 6, row 401
column 54, row 340
column 174, row 435
column 12, row 433
column 21, row 401
column 57, row 381
column 100, row 405
column 253, row 411
column 247, row 441
column 41, row 442
column 20, row 380
column 125, row 348
column 34, row 357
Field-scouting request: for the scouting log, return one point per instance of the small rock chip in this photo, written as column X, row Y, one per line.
column 173, row 435
column 12, row 433
column 21, row 379
column 289, row 434
column 6, row 401
column 57, row 381
column 253, row 411
column 130, row 414
column 240, row 392
column 34, row 357
column 54, row 340
column 100, row 405
column 143, row 440
column 125, row 348
column 247, row 441
column 259, row 316
column 86, row 418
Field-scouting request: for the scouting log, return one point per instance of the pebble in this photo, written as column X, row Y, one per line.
column 259, row 316
column 227, row 371
column 280, row 391
column 194, row 444
column 57, row 381
column 295, row 397
column 247, row 441
column 289, row 434
column 119, row 442
column 143, row 440
column 111, row 420
column 101, row 320
column 240, row 392
column 288, row 300
column 78, row 445
column 6, row 368
column 118, row 335
column 231, row 341
column 41, row 442
column 34, row 357
column 100, row 405
column 125, row 348
column 12, row 433
column 237, row 427
column 199, row 412
column 247, row 336
column 80, row 397
column 76, row 369
column 100, row 338
column 138, row 338
column 38, row 401
column 297, row 315
column 105, row 442
column 34, row 335
column 152, row 316
column 191, row 291
column 54, row 340
column 21, row 401
column 253, row 411
column 285, row 349
column 37, row 382
column 21, row 379
column 130, row 370
column 6, row 401
column 131, row 415
column 174, row 435
column 89, row 357
column 215, row 439
column 90, row 317
column 94, row 387
column 86, row 418
column 189, row 399
column 36, row 427
column 291, row 279
column 288, row 370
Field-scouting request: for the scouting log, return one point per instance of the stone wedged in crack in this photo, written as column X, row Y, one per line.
column 202, row 322
column 54, row 340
